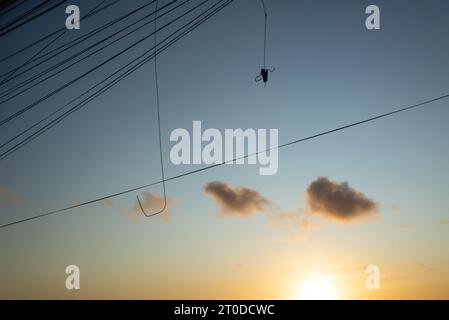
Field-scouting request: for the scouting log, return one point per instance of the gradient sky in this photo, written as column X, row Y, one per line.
column 330, row 71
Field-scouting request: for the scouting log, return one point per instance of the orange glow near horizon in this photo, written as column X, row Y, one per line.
column 317, row 288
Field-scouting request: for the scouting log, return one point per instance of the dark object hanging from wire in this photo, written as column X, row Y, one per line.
column 263, row 76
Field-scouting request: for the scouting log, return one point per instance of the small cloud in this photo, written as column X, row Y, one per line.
column 150, row 203
column 308, row 224
column 8, row 196
column 289, row 219
column 423, row 267
column 108, row 202
column 407, row 226
column 338, row 201
column 347, row 272
column 444, row 221
column 240, row 201
column 293, row 238
column 285, row 219
column 395, row 209
column 237, row 265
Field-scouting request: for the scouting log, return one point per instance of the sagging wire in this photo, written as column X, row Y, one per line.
column 158, row 126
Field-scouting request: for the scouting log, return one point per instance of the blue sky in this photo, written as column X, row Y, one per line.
column 330, row 71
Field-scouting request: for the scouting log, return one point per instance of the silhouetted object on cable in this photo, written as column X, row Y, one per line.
column 264, row 75
column 264, row 71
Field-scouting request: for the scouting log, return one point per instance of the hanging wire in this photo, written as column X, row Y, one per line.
column 264, row 71
column 156, row 80
column 265, row 36
column 209, row 13
column 192, row 25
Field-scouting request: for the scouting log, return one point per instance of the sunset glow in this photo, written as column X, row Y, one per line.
column 317, row 288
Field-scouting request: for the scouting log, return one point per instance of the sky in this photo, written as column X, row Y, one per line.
column 369, row 195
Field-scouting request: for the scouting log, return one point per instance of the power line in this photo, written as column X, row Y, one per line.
column 25, row 14
column 187, row 31
column 11, row 55
column 45, row 47
column 69, row 45
column 109, row 85
column 314, row 136
column 30, row 19
column 7, row 3
column 45, row 72
column 49, row 76
column 37, row 102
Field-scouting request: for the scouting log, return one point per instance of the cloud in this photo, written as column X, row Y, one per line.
column 292, row 238
column 444, row 221
column 108, row 202
column 338, row 201
column 289, row 219
column 8, row 196
column 423, row 266
column 348, row 271
column 395, row 209
column 407, row 226
column 240, row 201
column 150, row 203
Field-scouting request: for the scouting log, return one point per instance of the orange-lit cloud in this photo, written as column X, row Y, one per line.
column 395, row 209
column 338, row 201
column 289, row 219
column 108, row 202
column 240, row 201
column 150, row 203
column 8, row 196
column 407, row 226
column 444, row 221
